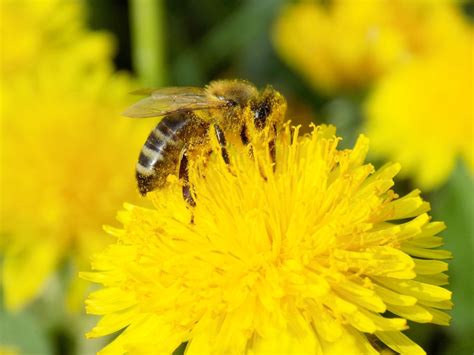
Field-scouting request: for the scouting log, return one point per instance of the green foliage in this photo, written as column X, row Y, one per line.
column 24, row 333
column 147, row 19
column 455, row 205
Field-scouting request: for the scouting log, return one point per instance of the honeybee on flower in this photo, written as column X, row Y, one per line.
column 190, row 115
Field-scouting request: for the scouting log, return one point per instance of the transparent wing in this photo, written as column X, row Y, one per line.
column 171, row 90
column 165, row 101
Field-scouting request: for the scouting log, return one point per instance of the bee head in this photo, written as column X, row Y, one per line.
column 269, row 107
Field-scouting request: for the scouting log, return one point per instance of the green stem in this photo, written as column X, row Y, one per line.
column 147, row 17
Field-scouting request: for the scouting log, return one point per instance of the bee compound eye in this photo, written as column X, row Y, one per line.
column 231, row 103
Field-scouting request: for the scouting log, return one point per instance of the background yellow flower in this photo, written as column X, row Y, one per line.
column 422, row 115
column 32, row 30
column 416, row 59
column 64, row 144
column 346, row 44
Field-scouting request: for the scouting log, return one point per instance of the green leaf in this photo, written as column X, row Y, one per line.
column 454, row 204
column 147, row 19
column 23, row 333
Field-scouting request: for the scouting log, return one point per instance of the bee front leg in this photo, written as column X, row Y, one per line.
column 272, row 148
column 262, row 111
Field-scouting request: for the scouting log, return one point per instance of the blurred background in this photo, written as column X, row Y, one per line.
column 399, row 71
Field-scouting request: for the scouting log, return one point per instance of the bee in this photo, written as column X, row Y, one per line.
column 190, row 115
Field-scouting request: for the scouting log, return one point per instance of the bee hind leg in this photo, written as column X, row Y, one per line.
column 184, row 176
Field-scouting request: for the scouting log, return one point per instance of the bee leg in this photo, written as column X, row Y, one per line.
column 184, row 176
column 272, row 148
column 207, row 155
column 244, row 135
column 222, row 143
column 261, row 112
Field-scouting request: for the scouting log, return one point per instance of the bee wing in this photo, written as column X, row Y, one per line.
column 168, row 100
column 172, row 90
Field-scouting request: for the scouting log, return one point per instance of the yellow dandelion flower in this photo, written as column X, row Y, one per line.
column 62, row 144
column 347, row 44
column 422, row 115
column 320, row 256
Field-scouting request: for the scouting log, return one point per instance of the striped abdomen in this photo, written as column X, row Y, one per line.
column 160, row 155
